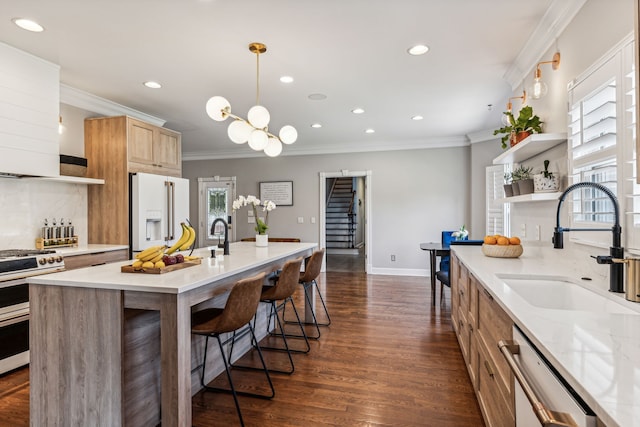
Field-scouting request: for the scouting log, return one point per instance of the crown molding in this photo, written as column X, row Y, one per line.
column 87, row 101
column 552, row 24
column 482, row 136
column 445, row 142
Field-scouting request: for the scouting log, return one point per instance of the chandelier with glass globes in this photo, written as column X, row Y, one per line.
column 255, row 129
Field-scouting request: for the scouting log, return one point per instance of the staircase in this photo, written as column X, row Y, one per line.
column 340, row 215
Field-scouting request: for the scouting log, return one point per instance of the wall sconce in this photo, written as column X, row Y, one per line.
column 505, row 117
column 539, row 88
column 61, row 127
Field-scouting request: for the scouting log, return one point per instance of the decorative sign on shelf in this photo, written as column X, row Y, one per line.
column 279, row 192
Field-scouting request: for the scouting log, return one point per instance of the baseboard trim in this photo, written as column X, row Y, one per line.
column 400, row 272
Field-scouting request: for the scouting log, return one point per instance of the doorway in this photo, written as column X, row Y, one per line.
column 345, row 220
column 215, row 200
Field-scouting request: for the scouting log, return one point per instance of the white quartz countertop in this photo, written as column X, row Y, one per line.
column 89, row 249
column 243, row 257
column 597, row 353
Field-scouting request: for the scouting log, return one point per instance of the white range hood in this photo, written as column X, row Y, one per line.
column 29, row 112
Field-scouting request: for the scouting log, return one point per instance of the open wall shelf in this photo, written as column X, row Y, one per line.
column 533, row 197
column 529, row 147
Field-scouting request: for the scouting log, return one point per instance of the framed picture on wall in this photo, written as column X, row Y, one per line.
column 279, row 192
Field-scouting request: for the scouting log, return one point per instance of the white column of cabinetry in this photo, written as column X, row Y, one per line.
column 29, row 108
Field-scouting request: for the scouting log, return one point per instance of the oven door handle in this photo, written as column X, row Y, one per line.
column 547, row 417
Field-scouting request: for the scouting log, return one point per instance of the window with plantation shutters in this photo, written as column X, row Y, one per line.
column 602, row 148
column 497, row 211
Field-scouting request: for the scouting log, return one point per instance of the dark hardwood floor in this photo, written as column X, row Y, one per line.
column 388, row 359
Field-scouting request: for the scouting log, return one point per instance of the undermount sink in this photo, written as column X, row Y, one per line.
column 561, row 294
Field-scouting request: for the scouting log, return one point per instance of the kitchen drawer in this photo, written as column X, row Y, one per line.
column 497, row 407
column 71, row 262
column 463, row 334
column 463, row 288
column 493, row 325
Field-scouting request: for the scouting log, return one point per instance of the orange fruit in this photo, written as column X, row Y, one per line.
column 503, row 241
column 514, row 241
column 490, row 240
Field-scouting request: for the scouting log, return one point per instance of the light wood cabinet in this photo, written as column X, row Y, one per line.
column 153, row 149
column 115, row 147
column 72, row 262
column 480, row 323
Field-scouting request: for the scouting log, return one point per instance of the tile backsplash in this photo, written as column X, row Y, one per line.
column 26, row 202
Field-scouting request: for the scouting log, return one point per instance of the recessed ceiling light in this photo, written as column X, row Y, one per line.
column 28, row 24
column 316, row 125
column 370, row 131
column 317, row 96
column 419, row 49
column 357, row 110
column 286, row 79
column 153, row 85
column 417, row 118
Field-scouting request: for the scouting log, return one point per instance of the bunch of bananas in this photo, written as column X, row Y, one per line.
column 149, row 257
column 185, row 241
column 154, row 255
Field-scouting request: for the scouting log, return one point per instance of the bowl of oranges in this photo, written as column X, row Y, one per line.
column 498, row 246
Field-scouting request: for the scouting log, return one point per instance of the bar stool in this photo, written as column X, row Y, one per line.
column 308, row 280
column 284, row 288
column 240, row 308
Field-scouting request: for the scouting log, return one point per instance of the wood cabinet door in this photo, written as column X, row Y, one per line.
column 141, row 136
column 167, row 151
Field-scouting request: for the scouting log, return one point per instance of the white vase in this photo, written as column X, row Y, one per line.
column 545, row 185
column 262, row 240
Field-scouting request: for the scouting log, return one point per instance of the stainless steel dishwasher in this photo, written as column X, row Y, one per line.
column 542, row 398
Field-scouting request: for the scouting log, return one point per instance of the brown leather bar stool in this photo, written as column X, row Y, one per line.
column 240, row 308
column 308, row 280
column 282, row 291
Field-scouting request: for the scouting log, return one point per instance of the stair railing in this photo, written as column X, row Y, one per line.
column 333, row 185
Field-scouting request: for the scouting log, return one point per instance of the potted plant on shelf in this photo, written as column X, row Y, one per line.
column 519, row 128
column 508, row 187
column 525, row 180
column 546, row 181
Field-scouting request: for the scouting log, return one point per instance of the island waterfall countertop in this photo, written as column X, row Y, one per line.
column 596, row 352
column 102, row 340
column 244, row 256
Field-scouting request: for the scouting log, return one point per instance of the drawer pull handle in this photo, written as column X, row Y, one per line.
column 488, row 368
column 470, row 327
column 488, row 295
column 461, row 292
column 547, row 417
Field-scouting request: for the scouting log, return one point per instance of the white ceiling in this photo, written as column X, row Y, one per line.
column 353, row 51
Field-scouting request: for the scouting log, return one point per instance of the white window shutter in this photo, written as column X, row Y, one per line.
column 497, row 210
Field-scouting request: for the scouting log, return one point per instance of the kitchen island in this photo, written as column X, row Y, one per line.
column 593, row 346
column 111, row 348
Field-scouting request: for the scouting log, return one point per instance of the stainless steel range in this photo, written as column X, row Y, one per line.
column 15, row 266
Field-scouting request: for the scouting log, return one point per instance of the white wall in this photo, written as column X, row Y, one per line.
column 415, row 195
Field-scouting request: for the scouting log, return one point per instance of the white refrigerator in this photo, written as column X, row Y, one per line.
column 158, row 205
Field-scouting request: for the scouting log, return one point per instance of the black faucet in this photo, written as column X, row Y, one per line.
column 616, row 283
column 226, row 234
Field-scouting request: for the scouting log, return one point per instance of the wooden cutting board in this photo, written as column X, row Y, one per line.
column 167, row 269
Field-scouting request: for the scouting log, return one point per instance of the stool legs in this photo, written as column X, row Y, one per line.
column 307, row 295
column 227, row 367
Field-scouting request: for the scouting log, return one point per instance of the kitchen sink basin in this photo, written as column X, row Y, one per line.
column 561, row 294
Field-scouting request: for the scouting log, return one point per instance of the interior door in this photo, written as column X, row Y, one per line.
column 216, row 195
